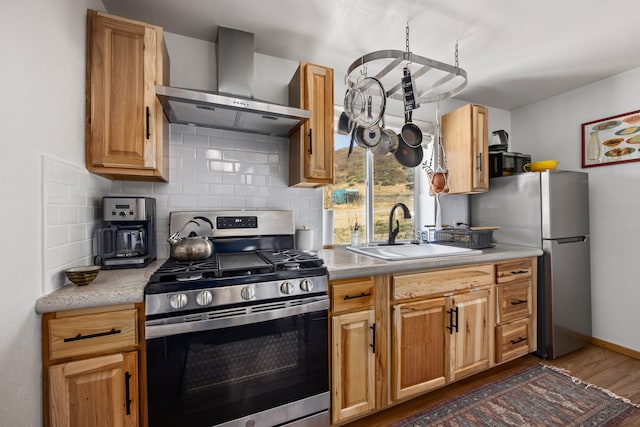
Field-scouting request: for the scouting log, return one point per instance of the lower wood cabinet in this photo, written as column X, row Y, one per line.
column 353, row 375
column 470, row 335
column 515, row 333
column 419, row 347
column 352, row 348
column 439, row 340
column 92, row 363
column 99, row 391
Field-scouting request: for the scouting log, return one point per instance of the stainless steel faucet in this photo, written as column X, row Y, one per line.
column 393, row 233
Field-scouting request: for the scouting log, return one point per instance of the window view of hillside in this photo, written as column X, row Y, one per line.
column 393, row 183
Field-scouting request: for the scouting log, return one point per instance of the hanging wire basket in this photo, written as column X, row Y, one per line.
column 436, row 166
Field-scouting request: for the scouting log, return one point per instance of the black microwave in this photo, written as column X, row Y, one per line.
column 505, row 163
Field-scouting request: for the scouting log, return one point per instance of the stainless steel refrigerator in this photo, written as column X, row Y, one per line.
column 549, row 210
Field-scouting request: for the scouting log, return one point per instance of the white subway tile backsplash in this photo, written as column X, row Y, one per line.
column 209, row 169
column 221, row 190
column 258, row 158
column 70, row 213
column 209, row 131
column 220, row 166
column 181, row 201
column 69, row 175
column 209, row 177
column 211, row 154
column 221, row 142
column 77, row 233
column 57, row 236
column 245, row 190
column 195, row 189
column 137, row 188
column 208, row 202
column 234, row 178
column 193, row 139
column 233, row 202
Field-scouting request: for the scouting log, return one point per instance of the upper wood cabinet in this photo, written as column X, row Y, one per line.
column 465, row 136
column 127, row 134
column 311, row 146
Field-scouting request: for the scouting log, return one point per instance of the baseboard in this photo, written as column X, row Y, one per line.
column 617, row 348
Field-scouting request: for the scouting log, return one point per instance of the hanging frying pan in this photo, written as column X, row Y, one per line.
column 408, row 156
column 411, row 134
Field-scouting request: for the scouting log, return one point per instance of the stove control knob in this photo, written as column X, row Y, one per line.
column 248, row 293
column 306, row 285
column 287, row 288
column 204, row 298
column 178, row 301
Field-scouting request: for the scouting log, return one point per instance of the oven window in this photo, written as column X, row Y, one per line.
column 207, row 378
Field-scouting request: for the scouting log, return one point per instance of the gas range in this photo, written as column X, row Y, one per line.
column 253, row 261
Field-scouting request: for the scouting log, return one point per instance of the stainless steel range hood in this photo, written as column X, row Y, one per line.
column 233, row 107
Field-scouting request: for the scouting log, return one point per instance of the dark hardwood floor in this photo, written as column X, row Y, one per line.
column 593, row 364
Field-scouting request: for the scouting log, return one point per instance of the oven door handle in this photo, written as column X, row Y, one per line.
column 232, row 317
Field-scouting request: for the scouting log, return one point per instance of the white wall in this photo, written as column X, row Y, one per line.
column 550, row 129
column 42, row 44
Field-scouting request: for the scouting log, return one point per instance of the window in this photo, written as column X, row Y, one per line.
column 366, row 189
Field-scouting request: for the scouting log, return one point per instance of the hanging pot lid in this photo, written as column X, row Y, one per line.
column 370, row 104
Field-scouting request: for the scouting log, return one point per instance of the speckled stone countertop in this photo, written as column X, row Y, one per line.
column 113, row 287
column 344, row 264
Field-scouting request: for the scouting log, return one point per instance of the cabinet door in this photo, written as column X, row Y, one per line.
column 311, row 147
column 419, row 347
column 465, row 138
column 98, row 392
column 469, row 329
column 353, row 365
column 124, row 63
column 480, row 140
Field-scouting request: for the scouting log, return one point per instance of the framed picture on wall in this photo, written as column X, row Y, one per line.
column 611, row 140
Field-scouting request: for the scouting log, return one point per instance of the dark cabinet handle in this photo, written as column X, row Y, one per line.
column 148, row 132
column 362, row 295
column 310, row 142
column 520, row 301
column 479, row 167
column 520, row 272
column 519, row 340
column 127, row 391
column 373, row 338
column 79, row 337
column 453, row 324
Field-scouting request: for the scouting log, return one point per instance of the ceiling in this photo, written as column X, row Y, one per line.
column 514, row 52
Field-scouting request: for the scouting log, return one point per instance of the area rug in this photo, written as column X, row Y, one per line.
column 536, row 396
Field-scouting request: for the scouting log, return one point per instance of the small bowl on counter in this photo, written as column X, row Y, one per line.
column 82, row 275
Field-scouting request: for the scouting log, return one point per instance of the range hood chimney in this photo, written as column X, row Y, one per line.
column 233, row 106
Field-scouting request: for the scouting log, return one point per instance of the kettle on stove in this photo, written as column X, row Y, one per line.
column 499, row 141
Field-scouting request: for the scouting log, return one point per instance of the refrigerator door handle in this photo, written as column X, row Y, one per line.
column 572, row 239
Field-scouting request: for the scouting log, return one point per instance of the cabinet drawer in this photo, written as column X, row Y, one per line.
column 352, row 294
column 514, row 270
column 514, row 301
column 418, row 285
column 512, row 340
column 92, row 333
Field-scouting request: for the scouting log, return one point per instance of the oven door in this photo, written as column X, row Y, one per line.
column 259, row 365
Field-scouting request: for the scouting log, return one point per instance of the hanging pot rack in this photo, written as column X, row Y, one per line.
column 436, row 80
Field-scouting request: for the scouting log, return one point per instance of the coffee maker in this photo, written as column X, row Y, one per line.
column 127, row 238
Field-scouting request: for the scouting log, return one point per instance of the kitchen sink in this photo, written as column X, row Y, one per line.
column 411, row 251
